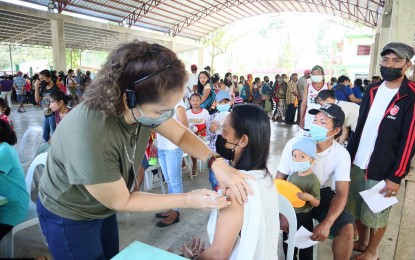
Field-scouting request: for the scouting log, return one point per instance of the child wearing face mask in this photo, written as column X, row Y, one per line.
column 213, row 126
column 303, row 156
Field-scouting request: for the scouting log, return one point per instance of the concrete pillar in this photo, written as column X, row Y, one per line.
column 58, row 44
column 402, row 22
column 374, row 56
column 169, row 44
column 397, row 25
column 200, row 60
column 126, row 37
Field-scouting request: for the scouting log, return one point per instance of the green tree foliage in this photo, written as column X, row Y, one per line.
column 73, row 58
column 22, row 54
column 218, row 44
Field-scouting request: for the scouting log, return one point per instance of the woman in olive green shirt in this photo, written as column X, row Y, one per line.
column 91, row 168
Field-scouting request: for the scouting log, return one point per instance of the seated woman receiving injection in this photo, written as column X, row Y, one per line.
column 248, row 231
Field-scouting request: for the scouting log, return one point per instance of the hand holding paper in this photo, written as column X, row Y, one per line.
column 302, row 238
column 376, row 201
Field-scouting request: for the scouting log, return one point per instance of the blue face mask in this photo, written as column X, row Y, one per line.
column 300, row 166
column 223, row 108
column 318, row 133
column 153, row 122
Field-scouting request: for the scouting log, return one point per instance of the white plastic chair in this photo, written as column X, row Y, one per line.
column 29, row 144
column 149, row 177
column 7, row 244
column 287, row 210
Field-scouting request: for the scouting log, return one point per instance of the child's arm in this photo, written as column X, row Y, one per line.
column 310, row 198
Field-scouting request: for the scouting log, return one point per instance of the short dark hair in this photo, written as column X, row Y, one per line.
column 59, row 96
column 325, row 94
column 70, row 71
column 342, row 78
column 45, row 73
column 337, row 124
column 215, row 78
column 358, row 82
column 252, row 121
column 7, row 134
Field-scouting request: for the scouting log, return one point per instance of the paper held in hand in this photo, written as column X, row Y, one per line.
column 376, row 201
column 302, row 238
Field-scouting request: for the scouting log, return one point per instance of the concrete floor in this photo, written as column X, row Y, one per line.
column 141, row 226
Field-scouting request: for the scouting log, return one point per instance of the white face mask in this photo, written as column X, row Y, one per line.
column 317, row 78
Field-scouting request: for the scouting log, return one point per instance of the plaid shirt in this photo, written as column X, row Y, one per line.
column 20, row 83
column 292, row 88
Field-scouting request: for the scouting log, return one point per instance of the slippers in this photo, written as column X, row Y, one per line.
column 358, row 257
column 358, row 250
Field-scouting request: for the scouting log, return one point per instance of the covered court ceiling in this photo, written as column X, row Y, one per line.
column 27, row 27
column 195, row 19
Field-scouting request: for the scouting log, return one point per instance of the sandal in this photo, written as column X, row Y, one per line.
column 194, row 173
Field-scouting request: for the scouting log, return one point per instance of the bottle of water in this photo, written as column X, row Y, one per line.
column 152, row 158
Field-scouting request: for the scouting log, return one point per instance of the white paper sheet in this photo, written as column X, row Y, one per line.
column 302, row 238
column 376, row 201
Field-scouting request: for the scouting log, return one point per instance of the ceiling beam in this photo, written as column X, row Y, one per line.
column 21, row 36
column 142, row 10
column 62, row 5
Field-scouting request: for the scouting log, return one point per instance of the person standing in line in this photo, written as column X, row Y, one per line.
column 6, row 89
column 170, row 159
column 310, row 93
column 43, row 88
column 291, row 96
column 282, row 93
column 383, row 144
column 191, row 85
column 19, row 84
column 302, row 83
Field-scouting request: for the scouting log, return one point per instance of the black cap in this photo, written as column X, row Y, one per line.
column 401, row 49
column 332, row 110
column 207, row 68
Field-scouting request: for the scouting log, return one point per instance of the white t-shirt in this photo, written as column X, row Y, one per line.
column 193, row 79
column 162, row 142
column 370, row 131
column 311, row 104
column 351, row 113
column 197, row 119
column 330, row 166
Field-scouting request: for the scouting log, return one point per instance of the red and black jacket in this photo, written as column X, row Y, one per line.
column 394, row 145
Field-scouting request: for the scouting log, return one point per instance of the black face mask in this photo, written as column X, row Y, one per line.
column 226, row 153
column 43, row 83
column 390, row 74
